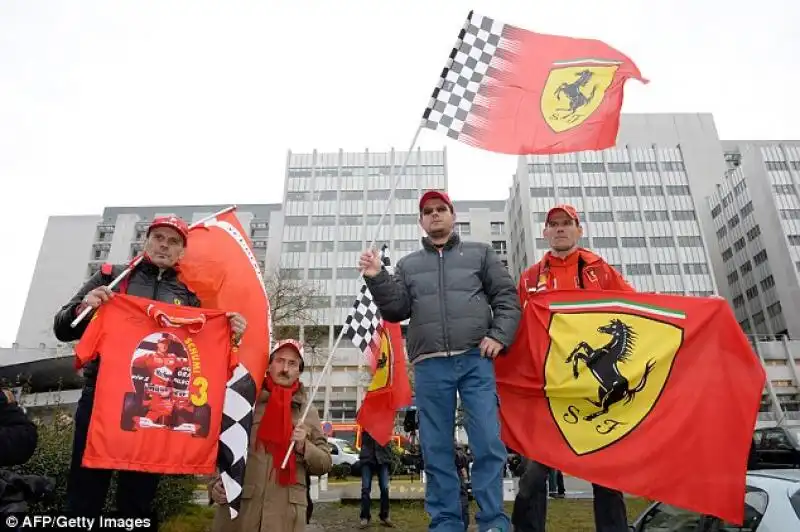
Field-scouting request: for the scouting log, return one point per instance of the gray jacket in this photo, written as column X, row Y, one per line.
column 453, row 297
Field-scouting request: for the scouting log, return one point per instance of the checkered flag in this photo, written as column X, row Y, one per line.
column 364, row 322
column 451, row 106
column 237, row 420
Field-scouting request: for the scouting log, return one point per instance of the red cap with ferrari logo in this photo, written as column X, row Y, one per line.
column 173, row 222
column 435, row 194
column 569, row 210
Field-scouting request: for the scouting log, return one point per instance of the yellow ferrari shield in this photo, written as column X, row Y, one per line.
column 604, row 372
column 383, row 371
column 572, row 93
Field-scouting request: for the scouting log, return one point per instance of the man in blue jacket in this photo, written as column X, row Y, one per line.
column 464, row 311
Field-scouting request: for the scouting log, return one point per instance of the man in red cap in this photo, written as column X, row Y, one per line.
column 463, row 312
column 156, row 278
column 566, row 267
column 278, row 500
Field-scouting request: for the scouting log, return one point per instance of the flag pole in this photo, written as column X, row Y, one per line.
column 135, row 262
column 378, row 226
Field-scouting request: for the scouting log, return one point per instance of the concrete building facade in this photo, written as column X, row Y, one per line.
column 756, row 215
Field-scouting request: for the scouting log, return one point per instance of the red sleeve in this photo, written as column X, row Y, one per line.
column 88, row 346
column 525, row 282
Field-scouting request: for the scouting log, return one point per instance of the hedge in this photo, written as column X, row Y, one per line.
column 52, row 458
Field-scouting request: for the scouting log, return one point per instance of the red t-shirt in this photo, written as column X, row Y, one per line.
column 160, row 386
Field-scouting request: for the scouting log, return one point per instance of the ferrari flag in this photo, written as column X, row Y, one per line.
column 220, row 267
column 510, row 90
column 653, row 395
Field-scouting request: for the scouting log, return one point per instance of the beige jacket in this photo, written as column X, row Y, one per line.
column 266, row 505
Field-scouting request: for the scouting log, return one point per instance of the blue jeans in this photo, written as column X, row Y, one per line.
column 436, row 381
column 367, row 470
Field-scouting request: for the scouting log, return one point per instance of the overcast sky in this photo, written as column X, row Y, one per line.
column 191, row 102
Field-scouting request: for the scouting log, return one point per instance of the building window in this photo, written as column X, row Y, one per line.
column 727, row 199
column 777, row 166
column 727, row 255
column 746, row 268
column 292, row 273
column 760, row 257
column 296, row 196
column 733, row 277
column 323, row 221
column 638, row 269
column 605, row 241
column 767, row 283
column 350, row 245
column 565, row 168
column 738, row 301
column 406, row 245
column 498, row 228
column 678, row 190
column 320, row 302
column 629, row 216
column 716, row 211
column 345, row 301
column 343, row 220
column 684, row 216
column 321, row 246
column 598, row 168
column 539, row 168
column 668, row 268
column 673, row 166
column 294, row 246
column 747, row 209
column 656, row 216
column 646, row 190
column 352, row 195
column 623, row 191
column 745, row 323
column 646, row 166
column 690, row 241
column 600, row 216
column 347, row 273
column 295, row 220
column 739, row 244
column 783, row 190
column 662, row 241
column 406, row 219
column 541, row 243
column 499, row 246
column 569, row 191
column 619, row 167
column 790, row 214
column 722, row 231
column 734, row 221
column 463, row 228
column 752, row 233
column 596, row 192
column 752, row 293
column 320, row 273
column 774, row 309
column 740, row 187
column 695, row 268
column 794, row 240
column 378, row 194
column 543, row 192
column 633, row 242
column 758, row 318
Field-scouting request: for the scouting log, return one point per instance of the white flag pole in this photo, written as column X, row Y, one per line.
column 138, row 259
column 328, row 362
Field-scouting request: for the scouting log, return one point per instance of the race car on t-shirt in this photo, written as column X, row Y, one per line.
column 168, row 390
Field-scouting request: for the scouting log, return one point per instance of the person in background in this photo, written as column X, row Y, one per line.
column 566, row 267
column 555, row 484
column 374, row 459
column 464, row 312
column 156, row 278
column 275, row 499
column 18, row 434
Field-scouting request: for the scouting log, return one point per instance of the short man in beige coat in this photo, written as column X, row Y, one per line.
column 274, row 499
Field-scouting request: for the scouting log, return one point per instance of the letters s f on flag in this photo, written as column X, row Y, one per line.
column 509, row 90
column 220, row 267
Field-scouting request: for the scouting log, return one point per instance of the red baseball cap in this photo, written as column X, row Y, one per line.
column 569, row 210
column 435, row 194
column 173, row 222
column 294, row 344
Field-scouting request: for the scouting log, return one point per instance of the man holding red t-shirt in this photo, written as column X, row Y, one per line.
column 156, row 278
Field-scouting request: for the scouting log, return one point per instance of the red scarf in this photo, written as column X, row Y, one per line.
column 275, row 431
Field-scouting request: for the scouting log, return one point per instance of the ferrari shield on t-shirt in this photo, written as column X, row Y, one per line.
column 160, row 386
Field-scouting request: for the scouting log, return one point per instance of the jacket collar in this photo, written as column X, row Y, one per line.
column 452, row 242
column 151, row 269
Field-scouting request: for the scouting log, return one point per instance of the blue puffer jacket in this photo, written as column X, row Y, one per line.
column 454, row 297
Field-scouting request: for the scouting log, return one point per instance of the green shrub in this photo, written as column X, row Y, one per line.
column 52, row 458
column 340, row 471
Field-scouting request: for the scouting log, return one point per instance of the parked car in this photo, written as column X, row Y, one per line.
column 772, row 504
column 775, row 448
column 343, row 453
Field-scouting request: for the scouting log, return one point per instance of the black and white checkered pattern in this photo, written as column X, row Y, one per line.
column 237, row 420
column 363, row 323
column 469, row 62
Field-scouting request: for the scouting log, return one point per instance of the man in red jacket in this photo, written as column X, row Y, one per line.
column 566, row 267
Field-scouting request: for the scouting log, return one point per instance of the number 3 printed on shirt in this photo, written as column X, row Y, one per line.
column 201, row 397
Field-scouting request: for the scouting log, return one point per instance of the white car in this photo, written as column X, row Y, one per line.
column 772, row 504
column 342, row 452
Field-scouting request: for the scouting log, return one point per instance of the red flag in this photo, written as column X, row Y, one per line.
column 220, row 267
column 510, row 90
column 390, row 389
column 635, row 392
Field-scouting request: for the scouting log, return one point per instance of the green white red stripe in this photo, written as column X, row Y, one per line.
column 618, row 304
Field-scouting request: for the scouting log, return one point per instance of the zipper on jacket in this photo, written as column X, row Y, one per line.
column 442, row 305
column 155, row 286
